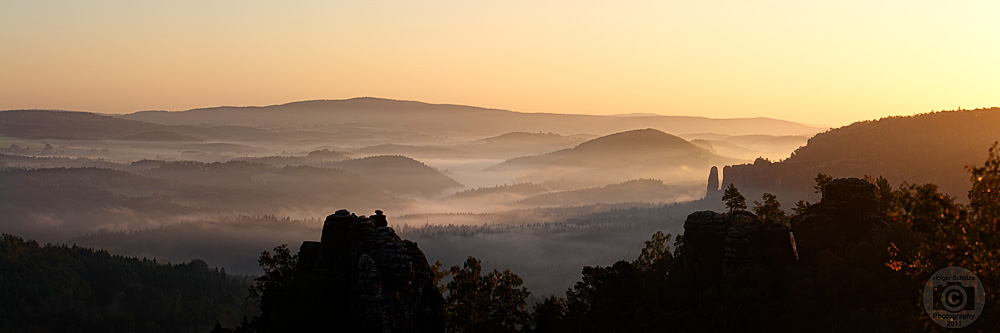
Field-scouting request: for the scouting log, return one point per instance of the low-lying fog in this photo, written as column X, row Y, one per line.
column 543, row 210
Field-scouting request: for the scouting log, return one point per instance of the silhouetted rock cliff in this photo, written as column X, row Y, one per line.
column 847, row 212
column 360, row 277
column 718, row 242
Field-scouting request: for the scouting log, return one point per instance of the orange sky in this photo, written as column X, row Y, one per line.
column 826, row 62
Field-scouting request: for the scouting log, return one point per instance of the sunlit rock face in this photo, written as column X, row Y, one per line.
column 845, row 215
column 361, row 277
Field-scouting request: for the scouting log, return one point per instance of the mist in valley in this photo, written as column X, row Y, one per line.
column 543, row 204
column 197, row 185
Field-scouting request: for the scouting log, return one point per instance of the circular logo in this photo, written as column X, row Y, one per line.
column 954, row 297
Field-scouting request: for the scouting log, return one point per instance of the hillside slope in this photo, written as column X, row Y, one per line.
column 933, row 147
column 72, row 125
column 399, row 174
column 47, row 124
column 615, row 158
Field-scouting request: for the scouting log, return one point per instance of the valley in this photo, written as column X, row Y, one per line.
column 222, row 184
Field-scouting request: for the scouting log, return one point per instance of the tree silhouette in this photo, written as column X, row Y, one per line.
column 801, row 206
column 943, row 232
column 656, row 252
column 624, row 296
column 984, row 198
column 883, row 192
column 549, row 314
column 491, row 303
column 770, row 210
column 821, row 181
column 733, row 199
column 279, row 270
column 59, row 288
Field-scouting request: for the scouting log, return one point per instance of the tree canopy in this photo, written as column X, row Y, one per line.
column 735, row 201
column 58, row 288
column 770, row 210
column 494, row 302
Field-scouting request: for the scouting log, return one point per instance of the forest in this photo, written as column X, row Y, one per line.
column 59, row 288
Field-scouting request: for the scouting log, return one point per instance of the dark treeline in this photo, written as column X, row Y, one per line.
column 58, row 288
column 870, row 283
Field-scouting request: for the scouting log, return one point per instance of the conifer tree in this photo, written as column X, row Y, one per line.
column 733, row 199
column 821, row 181
column 770, row 210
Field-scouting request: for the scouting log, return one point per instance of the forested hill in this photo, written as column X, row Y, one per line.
column 445, row 119
column 926, row 148
column 72, row 289
column 75, row 125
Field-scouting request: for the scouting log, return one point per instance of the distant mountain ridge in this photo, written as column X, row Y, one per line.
column 451, row 119
column 73, row 125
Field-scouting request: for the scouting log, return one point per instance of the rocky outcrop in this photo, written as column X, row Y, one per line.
column 716, row 243
column 360, row 277
column 847, row 212
column 705, row 239
column 720, row 242
column 777, row 245
column 714, row 192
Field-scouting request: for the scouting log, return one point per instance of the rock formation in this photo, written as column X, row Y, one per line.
column 713, row 192
column 716, row 243
column 360, row 277
column 705, row 239
column 847, row 212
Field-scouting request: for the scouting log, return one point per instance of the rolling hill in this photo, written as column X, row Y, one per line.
column 455, row 120
column 57, row 203
column 399, row 174
column 317, row 158
column 72, row 125
column 616, row 158
column 749, row 147
column 932, row 147
column 49, row 124
column 513, row 144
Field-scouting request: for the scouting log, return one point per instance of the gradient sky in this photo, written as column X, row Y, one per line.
column 824, row 62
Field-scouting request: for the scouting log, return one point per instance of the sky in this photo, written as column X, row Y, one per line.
column 817, row 62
